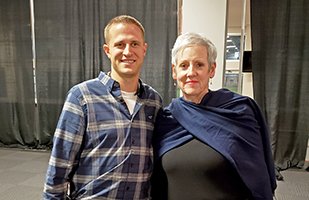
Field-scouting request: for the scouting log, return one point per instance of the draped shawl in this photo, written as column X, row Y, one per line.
column 231, row 124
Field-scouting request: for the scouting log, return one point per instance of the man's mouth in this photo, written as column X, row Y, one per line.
column 128, row 61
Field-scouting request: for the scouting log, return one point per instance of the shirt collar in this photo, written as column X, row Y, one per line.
column 113, row 85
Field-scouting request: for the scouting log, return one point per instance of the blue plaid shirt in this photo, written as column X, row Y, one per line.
column 100, row 150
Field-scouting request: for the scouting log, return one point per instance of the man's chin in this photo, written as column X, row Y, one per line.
column 130, row 73
column 131, row 70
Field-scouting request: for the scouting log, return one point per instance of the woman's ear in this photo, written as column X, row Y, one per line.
column 213, row 70
column 174, row 72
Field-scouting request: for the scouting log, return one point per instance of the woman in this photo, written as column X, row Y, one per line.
column 209, row 144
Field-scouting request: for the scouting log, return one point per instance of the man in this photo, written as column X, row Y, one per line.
column 102, row 143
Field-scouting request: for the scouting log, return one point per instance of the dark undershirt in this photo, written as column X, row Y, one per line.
column 198, row 172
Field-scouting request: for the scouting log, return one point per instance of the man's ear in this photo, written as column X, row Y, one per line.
column 106, row 49
column 145, row 48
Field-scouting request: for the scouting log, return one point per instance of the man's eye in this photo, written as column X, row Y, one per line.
column 182, row 65
column 134, row 44
column 119, row 45
column 200, row 65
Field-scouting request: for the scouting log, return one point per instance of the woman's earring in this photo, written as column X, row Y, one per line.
column 211, row 81
column 174, row 82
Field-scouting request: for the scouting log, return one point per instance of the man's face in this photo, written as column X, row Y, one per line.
column 126, row 50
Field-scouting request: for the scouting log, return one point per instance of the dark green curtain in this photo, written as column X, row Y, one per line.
column 17, row 110
column 280, row 62
column 69, row 49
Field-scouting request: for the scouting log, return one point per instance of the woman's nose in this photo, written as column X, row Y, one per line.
column 191, row 71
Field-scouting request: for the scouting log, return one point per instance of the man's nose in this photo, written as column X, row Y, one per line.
column 127, row 50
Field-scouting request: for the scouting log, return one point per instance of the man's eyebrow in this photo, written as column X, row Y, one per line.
column 136, row 41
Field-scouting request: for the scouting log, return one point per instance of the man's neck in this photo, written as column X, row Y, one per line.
column 127, row 84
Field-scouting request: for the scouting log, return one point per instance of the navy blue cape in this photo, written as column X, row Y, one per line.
column 231, row 124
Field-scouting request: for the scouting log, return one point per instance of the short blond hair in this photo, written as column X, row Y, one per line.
column 122, row 19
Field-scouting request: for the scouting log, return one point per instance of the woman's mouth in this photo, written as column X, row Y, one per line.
column 191, row 82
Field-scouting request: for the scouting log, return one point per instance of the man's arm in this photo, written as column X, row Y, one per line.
column 66, row 145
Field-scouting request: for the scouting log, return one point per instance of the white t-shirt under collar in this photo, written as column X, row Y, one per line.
column 130, row 99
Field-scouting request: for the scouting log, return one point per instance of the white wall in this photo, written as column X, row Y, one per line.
column 208, row 17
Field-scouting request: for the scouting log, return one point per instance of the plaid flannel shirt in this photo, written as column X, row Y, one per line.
column 101, row 150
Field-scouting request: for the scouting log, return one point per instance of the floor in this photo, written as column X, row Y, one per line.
column 22, row 174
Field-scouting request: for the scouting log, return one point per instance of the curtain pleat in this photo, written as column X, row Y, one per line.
column 16, row 76
column 280, row 62
column 69, row 40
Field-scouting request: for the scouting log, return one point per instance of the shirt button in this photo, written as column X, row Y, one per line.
column 127, row 188
column 116, row 84
column 133, row 141
column 132, row 165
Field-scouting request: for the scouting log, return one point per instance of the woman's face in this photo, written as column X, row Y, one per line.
column 193, row 72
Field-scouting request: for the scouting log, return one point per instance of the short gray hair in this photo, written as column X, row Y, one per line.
column 193, row 39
